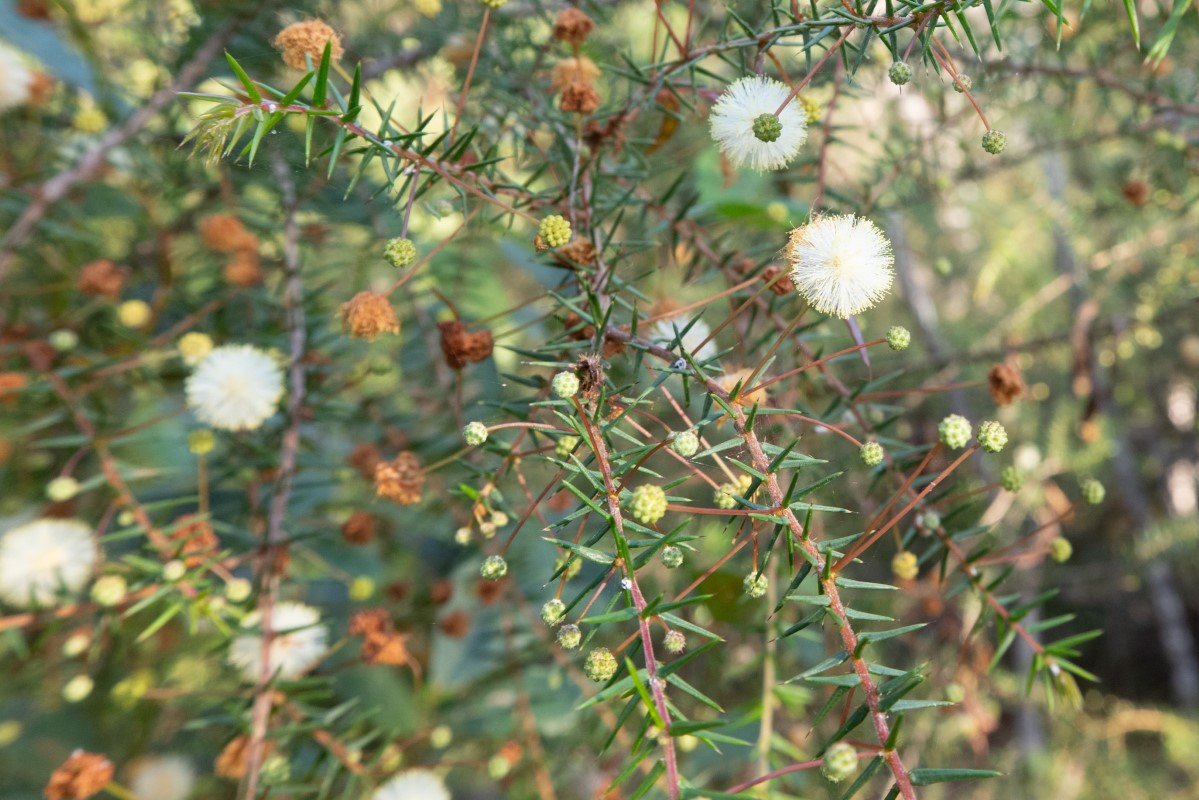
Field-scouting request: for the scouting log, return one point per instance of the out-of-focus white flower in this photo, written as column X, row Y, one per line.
column 162, row 778
column 235, row 388
column 733, row 117
column 41, row 557
column 297, row 642
column 16, row 79
column 413, row 784
column 665, row 330
column 842, row 265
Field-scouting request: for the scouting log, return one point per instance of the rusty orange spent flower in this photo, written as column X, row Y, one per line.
column 569, row 70
column 308, row 38
column 244, row 269
column 368, row 315
column 231, row 763
column 579, row 97
column 572, row 26
column 400, row 480
column 80, row 776
column 224, row 233
column 101, row 278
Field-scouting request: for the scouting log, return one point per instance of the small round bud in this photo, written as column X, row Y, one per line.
column 553, row 612
column 565, row 385
column 201, row 442
column 685, row 443
column 441, row 736
column 275, row 769
column 475, row 433
column 905, row 565
column 487, row 530
column 361, row 588
column 194, row 347
column 648, row 504
column 1060, row 549
column 929, row 520
column 126, row 518
column 872, row 454
column 840, row 761
column 554, row 230
column 128, row 691
column 755, row 584
column 767, row 127
column 898, row 337
column 955, row 431
column 64, row 340
column 991, row 436
column 672, row 557
column 963, row 83
column 811, row 109
column 600, row 665
column 994, row 142
column 494, row 568
column 1093, row 491
column 134, row 313
column 726, row 496
column 78, row 688
column 499, row 519
column 75, row 644
column 675, row 642
column 1011, row 478
column 108, row 590
column 173, row 570
column 238, row 590
column 570, row 637
column 498, row 767
column 899, row 73
column 400, row 253
column 566, row 446
column 62, row 489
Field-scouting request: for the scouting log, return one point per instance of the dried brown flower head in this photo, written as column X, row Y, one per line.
column 462, row 347
column 569, row 70
column 782, row 286
column 80, row 776
column 231, row 763
column 441, row 591
column 368, row 315
column 400, row 480
column 381, row 643
column 199, row 541
column 590, row 369
column 572, row 26
column 224, row 233
column 41, row 87
column 244, row 269
column 579, row 250
column 579, row 97
column 359, row 528
column 1136, row 192
column 365, row 458
column 307, row 38
column 490, row 591
column 455, row 624
column 1005, row 384
column 101, row 278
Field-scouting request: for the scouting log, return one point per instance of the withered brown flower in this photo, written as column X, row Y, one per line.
column 368, row 315
column 572, row 26
column 101, row 278
column 400, row 480
column 80, row 776
column 461, row 347
column 307, row 38
column 359, row 528
column 1005, row 384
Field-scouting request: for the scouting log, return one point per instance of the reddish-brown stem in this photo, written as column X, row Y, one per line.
column 811, row 364
column 815, row 68
column 470, row 72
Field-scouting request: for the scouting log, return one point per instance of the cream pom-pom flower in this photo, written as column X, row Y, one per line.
column 692, row 340
column 168, row 777
column 16, row 79
column 744, row 103
column 235, row 388
column 842, row 265
column 297, row 642
column 39, row 558
column 413, row 784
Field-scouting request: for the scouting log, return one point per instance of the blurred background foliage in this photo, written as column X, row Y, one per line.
column 1072, row 257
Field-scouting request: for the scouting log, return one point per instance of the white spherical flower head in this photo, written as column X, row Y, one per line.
column 163, row 778
column 39, row 558
column 297, row 644
column 693, row 337
column 842, row 265
column 16, row 79
column 235, row 388
column 413, row 784
column 732, row 124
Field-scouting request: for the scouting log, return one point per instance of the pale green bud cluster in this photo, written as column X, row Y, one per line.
column 570, row 637
column 755, row 584
column 400, row 253
column 898, row 337
column 685, row 443
column 955, row 431
column 600, row 665
column 1093, row 491
column 905, row 565
column 872, row 454
column 991, row 436
column 840, row 761
column 554, row 230
column 994, row 142
column 494, row 568
column 1011, row 478
column 672, row 557
column 899, row 73
column 475, row 433
column 675, row 642
column 648, row 504
column 565, row 385
column 553, row 612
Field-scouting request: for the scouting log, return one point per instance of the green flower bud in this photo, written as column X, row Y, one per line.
column 648, row 504
column 994, row 142
column 570, row 637
column 1093, row 491
column 755, row 584
column 840, row 761
column 554, row 230
column 899, row 73
column 400, row 253
column 675, row 642
column 685, row 443
column 672, row 557
column 600, row 665
column 991, row 436
column 898, row 337
column 475, row 433
column 1060, row 549
column 494, row 568
column 553, row 612
column 565, row 385
column 1011, row 478
column 767, row 127
column 905, row 565
column 872, row 454
column 955, row 431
